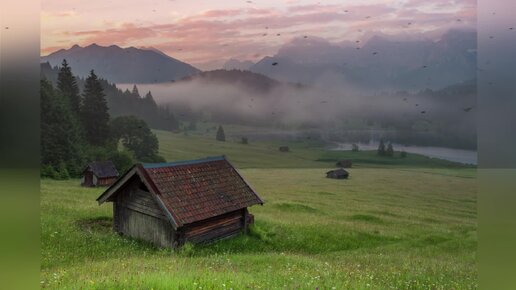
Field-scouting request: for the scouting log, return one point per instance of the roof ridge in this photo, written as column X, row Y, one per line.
column 182, row 162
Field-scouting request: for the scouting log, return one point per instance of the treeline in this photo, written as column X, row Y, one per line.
column 76, row 128
column 122, row 103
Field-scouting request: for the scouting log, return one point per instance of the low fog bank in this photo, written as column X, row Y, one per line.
column 333, row 109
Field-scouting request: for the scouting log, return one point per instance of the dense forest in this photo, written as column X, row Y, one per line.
column 126, row 102
column 77, row 128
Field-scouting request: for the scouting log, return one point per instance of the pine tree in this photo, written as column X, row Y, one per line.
column 60, row 135
column 150, row 100
column 67, row 85
column 390, row 150
column 94, row 112
column 381, row 148
column 220, row 134
column 135, row 91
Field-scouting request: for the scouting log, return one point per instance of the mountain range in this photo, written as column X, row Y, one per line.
column 380, row 63
column 122, row 65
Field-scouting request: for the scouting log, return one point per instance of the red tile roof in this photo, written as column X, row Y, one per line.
column 198, row 189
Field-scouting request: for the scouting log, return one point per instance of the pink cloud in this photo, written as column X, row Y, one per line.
column 218, row 34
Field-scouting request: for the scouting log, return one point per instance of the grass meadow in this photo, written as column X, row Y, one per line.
column 400, row 223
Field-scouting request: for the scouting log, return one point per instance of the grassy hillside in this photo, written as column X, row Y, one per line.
column 381, row 228
column 396, row 223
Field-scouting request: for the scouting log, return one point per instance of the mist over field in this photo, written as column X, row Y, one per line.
column 331, row 105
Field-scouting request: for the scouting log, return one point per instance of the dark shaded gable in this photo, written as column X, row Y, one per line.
column 102, row 169
column 191, row 191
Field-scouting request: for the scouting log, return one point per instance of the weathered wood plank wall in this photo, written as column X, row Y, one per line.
column 216, row 228
column 138, row 215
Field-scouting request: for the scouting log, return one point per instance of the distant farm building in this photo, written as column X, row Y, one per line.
column 337, row 174
column 99, row 173
column 344, row 163
column 284, row 149
column 169, row 204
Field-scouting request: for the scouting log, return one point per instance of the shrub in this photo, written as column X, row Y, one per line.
column 62, row 172
column 48, row 171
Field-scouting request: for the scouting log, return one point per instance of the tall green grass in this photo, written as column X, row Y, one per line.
column 384, row 228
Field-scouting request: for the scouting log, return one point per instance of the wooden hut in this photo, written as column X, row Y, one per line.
column 337, row 174
column 346, row 163
column 169, row 204
column 99, row 173
column 284, row 149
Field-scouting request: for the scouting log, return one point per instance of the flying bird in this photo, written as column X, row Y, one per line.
column 511, row 28
column 424, row 66
column 417, row 105
column 467, row 109
column 375, row 53
column 324, row 102
column 305, row 36
column 274, row 63
column 404, row 99
column 422, row 112
column 278, row 34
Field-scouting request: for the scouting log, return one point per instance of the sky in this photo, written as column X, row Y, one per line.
column 206, row 33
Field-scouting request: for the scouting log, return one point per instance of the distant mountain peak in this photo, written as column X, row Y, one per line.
column 116, row 64
column 233, row 63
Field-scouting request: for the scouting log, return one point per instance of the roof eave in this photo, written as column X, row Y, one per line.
column 145, row 178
